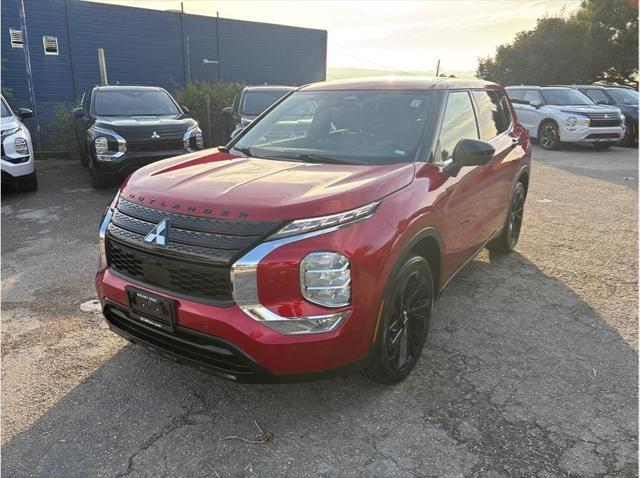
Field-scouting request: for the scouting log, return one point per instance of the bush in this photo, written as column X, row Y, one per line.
column 215, row 127
column 60, row 136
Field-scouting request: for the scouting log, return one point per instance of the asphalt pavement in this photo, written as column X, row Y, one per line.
column 530, row 368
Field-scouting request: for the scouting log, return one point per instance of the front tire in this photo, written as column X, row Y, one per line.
column 404, row 322
column 548, row 135
column 99, row 179
column 602, row 146
column 29, row 184
column 508, row 238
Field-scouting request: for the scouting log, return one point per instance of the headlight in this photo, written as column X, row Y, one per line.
column 301, row 226
column 193, row 139
column 21, row 145
column 102, row 145
column 571, row 121
column 109, row 145
column 325, row 279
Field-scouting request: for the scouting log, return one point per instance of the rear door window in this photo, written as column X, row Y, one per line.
column 492, row 118
column 459, row 122
column 531, row 95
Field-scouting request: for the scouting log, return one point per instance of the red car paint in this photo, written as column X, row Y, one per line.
column 463, row 211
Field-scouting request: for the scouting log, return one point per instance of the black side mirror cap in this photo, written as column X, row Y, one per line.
column 602, row 102
column 24, row 113
column 77, row 112
column 469, row 152
column 228, row 111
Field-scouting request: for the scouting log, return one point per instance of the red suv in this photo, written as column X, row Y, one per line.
column 320, row 237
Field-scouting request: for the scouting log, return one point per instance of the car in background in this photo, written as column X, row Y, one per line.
column 556, row 114
column 284, row 259
column 121, row 128
column 17, row 150
column 622, row 97
column 251, row 102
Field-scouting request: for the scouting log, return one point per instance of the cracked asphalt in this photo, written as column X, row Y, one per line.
column 531, row 368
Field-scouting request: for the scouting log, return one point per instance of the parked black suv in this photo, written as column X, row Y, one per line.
column 121, row 128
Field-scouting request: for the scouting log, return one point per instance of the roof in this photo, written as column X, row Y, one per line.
column 399, row 83
column 534, row 87
column 270, row 88
column 125, row 87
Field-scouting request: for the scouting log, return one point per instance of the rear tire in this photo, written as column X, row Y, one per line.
column 29, row 184
column 404, row 323
column 548, row 135
column 508, row 238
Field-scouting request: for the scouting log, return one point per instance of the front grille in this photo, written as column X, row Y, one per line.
column 194, row 348
column 196, row 259
column 143, row 133
column 155, row 145
column 604, row 123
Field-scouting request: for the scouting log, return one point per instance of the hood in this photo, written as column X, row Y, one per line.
column 630, row 111
column 8, row 123
column 215, row 184
column 585, row 108
column 133, row 122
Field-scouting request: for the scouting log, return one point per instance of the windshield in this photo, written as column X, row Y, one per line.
column 564, row 97
column 623, row 96
column 360, row 127
column 134, row 103
column 6, row 112
column 255, row 102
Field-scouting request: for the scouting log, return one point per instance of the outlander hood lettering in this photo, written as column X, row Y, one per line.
column 158, row 234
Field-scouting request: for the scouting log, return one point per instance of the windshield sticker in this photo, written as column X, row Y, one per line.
column 415, row 103
column 399, row 152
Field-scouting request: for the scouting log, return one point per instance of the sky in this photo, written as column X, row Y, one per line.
column 390, row 35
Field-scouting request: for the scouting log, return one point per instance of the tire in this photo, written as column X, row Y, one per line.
column 83, row 154
column 508, row 238
column 602, row 146
column 404, row 323
column 29, row 184
column 100, row 180
column 548, row 135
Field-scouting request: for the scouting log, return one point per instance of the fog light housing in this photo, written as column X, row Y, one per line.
column 325, row 279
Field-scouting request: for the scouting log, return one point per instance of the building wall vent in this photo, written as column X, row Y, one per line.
column 16, row 38
column 50, row 45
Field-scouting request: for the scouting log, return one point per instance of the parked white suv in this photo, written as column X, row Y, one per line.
column 557, row 115
column 17, row 150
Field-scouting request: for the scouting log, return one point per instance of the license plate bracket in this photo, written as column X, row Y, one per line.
column 151, row 309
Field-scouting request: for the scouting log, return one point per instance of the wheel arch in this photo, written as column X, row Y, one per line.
column 428, row 244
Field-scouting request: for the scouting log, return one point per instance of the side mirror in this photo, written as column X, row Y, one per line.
column 469, row 152
column 235, row 132
column 24, row 113
column 77, row 112
column 185, row 109
column 535, row 103
column 228, row 111
column 602, row 102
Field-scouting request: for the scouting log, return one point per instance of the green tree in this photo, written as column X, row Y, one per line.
column 598, row 42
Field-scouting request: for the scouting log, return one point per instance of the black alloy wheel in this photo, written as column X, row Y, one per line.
column 404, row 323
column 508, row 238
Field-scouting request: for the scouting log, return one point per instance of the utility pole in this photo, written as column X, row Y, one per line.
column 218, row 46
column 102, row 64
column 27, row 64
column 438, row 68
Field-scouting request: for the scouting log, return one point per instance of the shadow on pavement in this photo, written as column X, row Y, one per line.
column 520, row 376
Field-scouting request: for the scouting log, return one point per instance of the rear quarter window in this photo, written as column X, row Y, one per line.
column 494, row 117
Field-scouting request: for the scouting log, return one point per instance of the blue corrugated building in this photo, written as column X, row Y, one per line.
column 143, row 47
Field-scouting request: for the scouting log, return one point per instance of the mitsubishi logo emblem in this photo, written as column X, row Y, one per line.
column 158, row 234
column 155, row 135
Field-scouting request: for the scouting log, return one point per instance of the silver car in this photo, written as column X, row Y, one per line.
column 17, row 149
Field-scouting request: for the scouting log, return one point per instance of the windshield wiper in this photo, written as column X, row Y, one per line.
column 245, row 151
column 317, row 158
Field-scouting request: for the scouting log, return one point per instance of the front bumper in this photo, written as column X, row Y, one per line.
column 592, row 135
column 130, row 161
column 267, row 353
